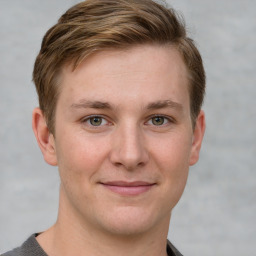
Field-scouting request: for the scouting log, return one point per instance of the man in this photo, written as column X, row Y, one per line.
column 120, row 89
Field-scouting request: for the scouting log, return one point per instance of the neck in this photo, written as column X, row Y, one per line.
column 71, row 235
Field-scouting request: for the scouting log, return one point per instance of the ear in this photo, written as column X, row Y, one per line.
column 198, row 135
column 43, row 136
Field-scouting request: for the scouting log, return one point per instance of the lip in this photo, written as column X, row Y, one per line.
column 125, row 188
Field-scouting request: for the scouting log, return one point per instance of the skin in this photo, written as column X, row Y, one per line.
column 123, row 144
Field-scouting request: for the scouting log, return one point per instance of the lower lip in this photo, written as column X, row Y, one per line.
column 128, row 191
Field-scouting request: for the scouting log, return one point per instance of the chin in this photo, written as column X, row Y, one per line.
column 130, row 221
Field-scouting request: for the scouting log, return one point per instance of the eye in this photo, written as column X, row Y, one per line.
column 159, row 120
column 95, row 121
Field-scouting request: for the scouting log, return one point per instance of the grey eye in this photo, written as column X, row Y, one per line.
column 158, row 120
column 95, row 121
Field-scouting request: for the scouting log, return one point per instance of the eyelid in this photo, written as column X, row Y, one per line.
column 87, row 118
column 168, row 118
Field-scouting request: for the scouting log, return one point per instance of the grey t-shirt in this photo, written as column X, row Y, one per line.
column 32, row 248
column 29, row 248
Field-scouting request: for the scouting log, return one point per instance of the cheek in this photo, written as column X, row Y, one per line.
column 80, row 156
column 172, row 158
column 173, row 152
column 79, row 161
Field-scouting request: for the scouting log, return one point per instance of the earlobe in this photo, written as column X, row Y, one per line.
column 198, row 135
column 43, row 136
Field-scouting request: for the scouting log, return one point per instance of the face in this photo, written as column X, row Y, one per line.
column 124, row 139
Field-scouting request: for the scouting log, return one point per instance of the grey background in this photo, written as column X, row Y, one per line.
column 216, row 215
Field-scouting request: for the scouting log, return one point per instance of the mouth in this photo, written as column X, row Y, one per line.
column 125, row 188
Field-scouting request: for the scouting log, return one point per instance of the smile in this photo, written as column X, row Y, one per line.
column 128, row 188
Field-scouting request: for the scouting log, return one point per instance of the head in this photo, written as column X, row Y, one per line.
column 120, row 89
column 96, row 25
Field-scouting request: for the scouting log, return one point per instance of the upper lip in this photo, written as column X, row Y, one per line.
column 120, row 183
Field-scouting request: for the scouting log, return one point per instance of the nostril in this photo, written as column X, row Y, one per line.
column 141, row 164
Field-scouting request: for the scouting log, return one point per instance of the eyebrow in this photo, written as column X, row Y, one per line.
column 91, row 104
column 164, row 104
column 105, row 105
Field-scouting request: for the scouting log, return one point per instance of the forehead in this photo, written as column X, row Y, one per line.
column 143, row 73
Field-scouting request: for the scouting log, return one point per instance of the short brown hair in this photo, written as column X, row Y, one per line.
column 95, row 25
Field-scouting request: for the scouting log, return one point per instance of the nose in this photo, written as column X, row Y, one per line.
column 128, row 148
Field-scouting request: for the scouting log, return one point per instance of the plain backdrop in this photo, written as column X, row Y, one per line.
column 217, row 213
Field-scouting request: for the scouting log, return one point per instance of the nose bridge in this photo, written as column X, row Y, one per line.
column 128, row 146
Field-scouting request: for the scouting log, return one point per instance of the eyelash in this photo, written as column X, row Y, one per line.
column 167, row 120
column 88, row 120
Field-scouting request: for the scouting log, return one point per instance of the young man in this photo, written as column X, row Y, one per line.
column 120, row 89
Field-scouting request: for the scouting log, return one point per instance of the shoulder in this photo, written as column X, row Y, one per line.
column 29, row 248
column 14, row 252
column 171, row 250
